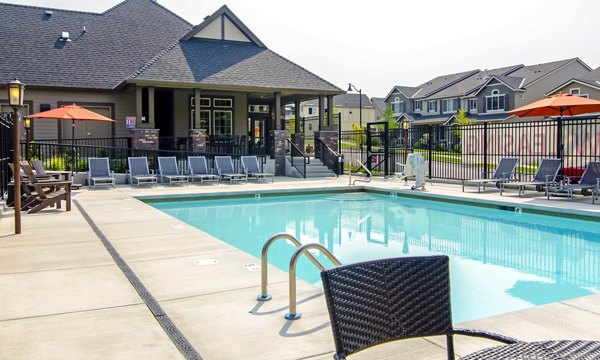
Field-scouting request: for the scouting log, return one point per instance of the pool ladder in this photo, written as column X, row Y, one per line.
column 301, row 249
column 366, row 179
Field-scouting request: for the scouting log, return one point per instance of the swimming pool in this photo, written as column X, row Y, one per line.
column 500, row 260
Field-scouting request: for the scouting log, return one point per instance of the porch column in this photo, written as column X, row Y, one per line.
column 198, row 137
column 151, row 121
column 138, row 106
column 278, row 125
column 196, row 110
column 329, row 110
column 321, row 111
column 297, row 116
column 279, row 138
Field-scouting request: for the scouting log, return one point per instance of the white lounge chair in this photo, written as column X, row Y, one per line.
column 198, row 169
column 252, row 169
column 167, row 169
column 138, row 171
column 99, row 173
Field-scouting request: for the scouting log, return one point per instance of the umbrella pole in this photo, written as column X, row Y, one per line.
column 73, row 148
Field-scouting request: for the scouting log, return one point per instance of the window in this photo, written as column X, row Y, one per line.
column 432, row 106
column 396, row 105
column 495, row 102
column 223, row 122
column 310, row 126
column 417, row 105
column 204, row 102
column 226, row 103
column 264, row 109
column 448, row 105
column 472, row 105
column 577, row 92
column 310, row 111
column 204, row 122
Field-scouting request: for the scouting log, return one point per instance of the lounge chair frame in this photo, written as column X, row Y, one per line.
column 505, row 172
column 139, row 172
column 99, row 173
column 168, row 169
column 545, row 176
column 589, row 182
column 198, row 169
column 252, row 169
column 225, row 169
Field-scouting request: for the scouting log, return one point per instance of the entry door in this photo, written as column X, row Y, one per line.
column 258, row 135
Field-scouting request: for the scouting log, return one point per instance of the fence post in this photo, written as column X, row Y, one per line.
column 559, row 144
column 430, row 144
column 485, row 142
column 368, row 135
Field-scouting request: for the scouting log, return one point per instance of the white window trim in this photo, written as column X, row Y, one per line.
column 222, row 107
column 496, row 94
column 434, row 102
column 419, row 107
column 396, row 105
column 469, row 103
column 214, row 126
column 453, row 110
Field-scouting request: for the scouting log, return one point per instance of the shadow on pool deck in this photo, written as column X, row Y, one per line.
column 63, row 295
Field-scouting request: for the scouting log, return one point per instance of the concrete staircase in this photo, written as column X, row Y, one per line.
column 314, row 169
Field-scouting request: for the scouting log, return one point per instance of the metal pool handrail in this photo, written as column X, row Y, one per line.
column 264, row 263
column 364, row 167
column 293, row 315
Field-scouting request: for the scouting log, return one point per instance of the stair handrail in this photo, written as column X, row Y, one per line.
column 325, row 152
column 293, row 149
column 264, row 262
column 293, row 314
column 369, row 175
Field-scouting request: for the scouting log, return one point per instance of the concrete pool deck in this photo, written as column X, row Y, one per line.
column 63, row 296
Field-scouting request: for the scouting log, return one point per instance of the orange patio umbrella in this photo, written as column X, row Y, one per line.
column 74, row 113
column 558, row 105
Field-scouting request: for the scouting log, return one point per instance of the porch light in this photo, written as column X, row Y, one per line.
column 27, row 123
column 405, row 124
column 16, row 89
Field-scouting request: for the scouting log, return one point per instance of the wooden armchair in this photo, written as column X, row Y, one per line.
column 48, row 192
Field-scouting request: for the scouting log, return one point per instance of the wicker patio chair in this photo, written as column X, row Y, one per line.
column 224, row 166
column 374, row 302
column 504, row 172
column 168, row 169
column 139, row 173
column 198, row 169
column 252, row 169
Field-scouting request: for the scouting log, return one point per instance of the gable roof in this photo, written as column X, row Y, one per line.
column 229, row 65
column 407, row 91
column 222, row 18
column 352, row 101
column 441, row 82
column 534, row 73
column 114, row 44
column 473, row 82
column 591, row 79
column 379, row 105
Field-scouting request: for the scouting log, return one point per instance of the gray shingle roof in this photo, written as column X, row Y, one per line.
column 441, row 82
column 532, row 73
column 472, row 82
column 116, row 43
column 230, row 63
column 351, row 100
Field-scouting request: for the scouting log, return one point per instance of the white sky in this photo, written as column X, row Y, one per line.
column 377, row 44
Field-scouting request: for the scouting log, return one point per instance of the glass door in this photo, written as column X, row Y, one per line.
column 257, row 132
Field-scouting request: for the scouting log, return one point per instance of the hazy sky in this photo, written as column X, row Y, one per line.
column 378, row 44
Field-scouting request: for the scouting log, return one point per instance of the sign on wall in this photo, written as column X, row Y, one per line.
column 130, row 122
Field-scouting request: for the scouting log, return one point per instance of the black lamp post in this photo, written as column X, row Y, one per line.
column 27, row 126
column 16, row 89
column 350, row 87
column 405, row 125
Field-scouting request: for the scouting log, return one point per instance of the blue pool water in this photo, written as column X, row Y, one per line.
column 500, row 260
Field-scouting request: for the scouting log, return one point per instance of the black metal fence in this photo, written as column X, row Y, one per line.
column 6, row 152
column 464, row 152
column 109, row 142
column 60, row 157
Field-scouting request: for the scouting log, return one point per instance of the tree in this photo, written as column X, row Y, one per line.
column 388, row 116
column 461, row 119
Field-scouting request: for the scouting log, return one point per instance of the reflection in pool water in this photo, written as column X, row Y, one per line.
column 500, row 260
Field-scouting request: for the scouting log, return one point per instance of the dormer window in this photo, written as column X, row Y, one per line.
column 495, row 102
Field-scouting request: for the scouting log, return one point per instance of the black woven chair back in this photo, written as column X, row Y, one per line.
column 374, row 302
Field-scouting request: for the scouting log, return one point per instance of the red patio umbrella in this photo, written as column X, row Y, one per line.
column 74, row 113
column 558, row 105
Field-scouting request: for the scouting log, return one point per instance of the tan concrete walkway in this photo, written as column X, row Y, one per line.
column 62, row 296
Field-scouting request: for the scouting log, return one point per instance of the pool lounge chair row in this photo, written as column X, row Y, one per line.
column 198, row 169
column 546, row 178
